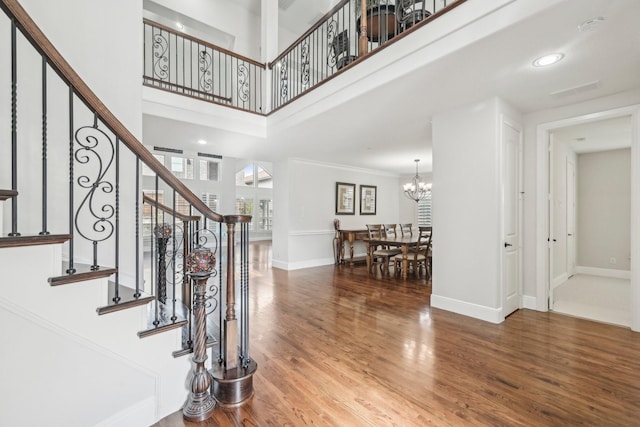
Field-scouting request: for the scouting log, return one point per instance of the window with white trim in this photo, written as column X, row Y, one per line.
column 424, row 211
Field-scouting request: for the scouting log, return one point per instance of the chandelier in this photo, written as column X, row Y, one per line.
column 416, row 189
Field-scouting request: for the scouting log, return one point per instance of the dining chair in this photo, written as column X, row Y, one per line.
column 380, row 254
column 419, row 257
column 390, row 232
column 429, row 229
column 406, row 229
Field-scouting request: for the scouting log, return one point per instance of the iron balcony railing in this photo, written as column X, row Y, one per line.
column 182, row 64
column 342, row 38
column 179, row 63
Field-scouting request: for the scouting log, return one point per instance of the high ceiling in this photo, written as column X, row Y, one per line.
column 386, row 128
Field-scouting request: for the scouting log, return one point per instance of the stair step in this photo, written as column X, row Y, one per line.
column 83, row 272
column 127, row 299
column 160, row 320
column 17, row 241
column 211, row 341
column 7, row 194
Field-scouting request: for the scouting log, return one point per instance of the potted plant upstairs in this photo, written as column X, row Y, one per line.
column 381, row 19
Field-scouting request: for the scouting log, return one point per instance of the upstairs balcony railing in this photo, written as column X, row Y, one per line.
column 183, row 64
column 179, row 63
column 342, row 38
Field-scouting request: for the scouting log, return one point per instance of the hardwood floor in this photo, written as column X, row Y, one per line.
column 336, row 347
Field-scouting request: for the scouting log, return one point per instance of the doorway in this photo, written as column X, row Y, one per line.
column 589, row 255
column 560, row 217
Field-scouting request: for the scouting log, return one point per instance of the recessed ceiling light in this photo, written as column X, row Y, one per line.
column 180, row 26
column 202, row 142
column 546, row 60
column 590, row 24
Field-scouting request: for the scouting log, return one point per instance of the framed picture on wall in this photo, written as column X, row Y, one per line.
column 345, row 198
column 368, row 199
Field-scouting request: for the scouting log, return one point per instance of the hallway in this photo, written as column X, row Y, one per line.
column 603, row 299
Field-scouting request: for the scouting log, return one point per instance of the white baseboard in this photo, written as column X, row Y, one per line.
column 529, row 302
column 302, row 264
column 604, row 272
column 559, row 280
column 488, row 314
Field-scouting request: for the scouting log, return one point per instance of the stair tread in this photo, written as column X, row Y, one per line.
column 163, row 318
column 128, row 299
column 186, row 349
column 7, row 194
column 32, row 240
column 82, row 272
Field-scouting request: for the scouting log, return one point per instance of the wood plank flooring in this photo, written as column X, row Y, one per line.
column 336, row 347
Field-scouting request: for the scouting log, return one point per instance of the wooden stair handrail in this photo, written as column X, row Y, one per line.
column 164, row 208
column 66, row 72
column 203, row 42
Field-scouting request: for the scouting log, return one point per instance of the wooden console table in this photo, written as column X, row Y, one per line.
column 348, row 236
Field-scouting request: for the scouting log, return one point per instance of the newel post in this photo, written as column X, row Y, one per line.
column 233, row 377
column 200, row 405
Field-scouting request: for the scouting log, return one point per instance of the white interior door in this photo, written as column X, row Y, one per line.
column 571, row 217
column 512, row 199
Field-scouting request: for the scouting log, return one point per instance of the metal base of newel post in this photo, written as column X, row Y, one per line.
column 232, row 387
column 200, row 405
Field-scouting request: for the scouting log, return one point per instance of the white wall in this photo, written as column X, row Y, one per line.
column 467, row 209
column 109, row 33
column 227, row 16
column 604, row 208
column 307, row 190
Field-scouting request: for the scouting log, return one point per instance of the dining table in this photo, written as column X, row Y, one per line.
column 405, row 243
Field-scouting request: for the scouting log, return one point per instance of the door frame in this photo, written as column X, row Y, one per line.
column 517, row 126
column 542, row 201
column 571, row 203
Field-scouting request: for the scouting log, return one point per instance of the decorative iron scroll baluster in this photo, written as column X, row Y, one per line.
column 304, row 72
column 161, row 61
column 243, row 82
column 205, row 61
column 95, row 148
column 332, row 55
column 284, row 85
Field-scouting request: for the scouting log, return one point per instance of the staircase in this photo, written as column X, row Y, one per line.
column 100, row 274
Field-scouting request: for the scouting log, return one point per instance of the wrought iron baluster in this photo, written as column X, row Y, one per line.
column 137, row 220
column 14, row 129
column 44, row 231
column 96, row 149
column 71, row 268
column 116, row 297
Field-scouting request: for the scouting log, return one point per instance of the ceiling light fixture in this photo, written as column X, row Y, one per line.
column 416, row 189
column 202, row 142
column 547, row 60
column 590, row 24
